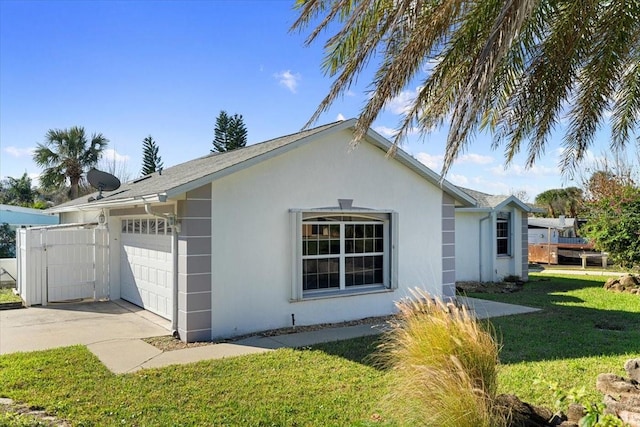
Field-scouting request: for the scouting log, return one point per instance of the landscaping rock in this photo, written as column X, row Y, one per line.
column 628, row 283
column 522, row 414
column 575, row 412
column 632, row 367
column 622, row 395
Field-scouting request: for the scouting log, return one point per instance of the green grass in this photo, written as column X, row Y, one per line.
column 284, row 387
column 7, row 296
column 581, row 332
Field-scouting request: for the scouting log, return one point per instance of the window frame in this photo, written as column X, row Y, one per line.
column 503, row 218
column 389, row 222
column 147, row 226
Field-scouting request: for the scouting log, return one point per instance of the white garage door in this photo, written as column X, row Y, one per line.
column 146, row 266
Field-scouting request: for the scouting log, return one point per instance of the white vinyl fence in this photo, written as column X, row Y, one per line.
column 62, row 263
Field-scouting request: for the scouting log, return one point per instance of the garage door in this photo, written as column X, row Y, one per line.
column 146, row 266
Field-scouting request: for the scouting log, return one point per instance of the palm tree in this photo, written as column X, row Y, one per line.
column 549, row 200
column 66, row 153
column 517, row 67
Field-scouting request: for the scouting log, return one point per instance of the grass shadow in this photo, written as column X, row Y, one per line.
column 578, row 319
column 360, row 350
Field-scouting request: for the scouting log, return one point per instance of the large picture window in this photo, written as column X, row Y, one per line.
column 344, row 252
column 502, row 234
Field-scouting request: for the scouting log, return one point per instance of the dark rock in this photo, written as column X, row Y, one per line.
column 557, row 419
column 522, row 414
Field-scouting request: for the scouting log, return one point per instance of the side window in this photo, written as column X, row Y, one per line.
column 502, row 234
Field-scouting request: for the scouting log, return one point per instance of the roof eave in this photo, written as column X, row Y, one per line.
column 100, row 204
column 513, row 200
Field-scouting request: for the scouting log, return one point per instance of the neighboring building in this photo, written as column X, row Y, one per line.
column 491, row 238
column 549, row 230
column 17, row 216
column 555, row 241
column 303, row 227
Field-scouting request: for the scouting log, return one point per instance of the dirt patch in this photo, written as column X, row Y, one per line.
column 35, row 414
column 463, row 288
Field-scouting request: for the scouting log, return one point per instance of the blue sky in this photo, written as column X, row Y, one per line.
column 129, row 69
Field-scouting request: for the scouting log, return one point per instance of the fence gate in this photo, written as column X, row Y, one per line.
column 62, row 264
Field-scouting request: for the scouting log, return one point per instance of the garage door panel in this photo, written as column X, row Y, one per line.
column 146, row 272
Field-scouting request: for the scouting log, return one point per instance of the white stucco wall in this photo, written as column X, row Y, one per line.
column 251, row 234
column 468, row 250
column 476, row 246
column 78, row 217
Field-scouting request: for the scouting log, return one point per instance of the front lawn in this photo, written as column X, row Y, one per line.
column 581, row 332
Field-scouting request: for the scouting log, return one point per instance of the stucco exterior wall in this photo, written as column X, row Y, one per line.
column 476, row 258
column 468, row 250
column 511, row 265
column 78, row 217
column 251, row 233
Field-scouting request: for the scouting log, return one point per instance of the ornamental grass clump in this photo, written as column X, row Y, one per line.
column 443, row 365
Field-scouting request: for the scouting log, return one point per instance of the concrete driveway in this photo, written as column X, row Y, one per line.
column 63, row 324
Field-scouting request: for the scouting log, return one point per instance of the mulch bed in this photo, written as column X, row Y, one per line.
column 169, row 343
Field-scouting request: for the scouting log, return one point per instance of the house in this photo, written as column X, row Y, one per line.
column 18, row 216
column 548, row 230
column 491, row 238
column 301, row 229
column 554, row 239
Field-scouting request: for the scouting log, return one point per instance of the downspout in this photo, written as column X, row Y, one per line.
column 175, row 229
column 480, row 246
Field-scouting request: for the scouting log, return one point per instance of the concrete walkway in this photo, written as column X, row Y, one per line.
column 113, row 331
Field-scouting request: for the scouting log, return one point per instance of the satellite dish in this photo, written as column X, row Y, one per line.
column 102, row 181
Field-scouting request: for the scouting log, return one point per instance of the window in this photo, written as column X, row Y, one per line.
column 344, row 253
column 145, row 226
column 502, row 234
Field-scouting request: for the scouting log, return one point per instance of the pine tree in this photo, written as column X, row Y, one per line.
column 151, row 161
column 230, row 133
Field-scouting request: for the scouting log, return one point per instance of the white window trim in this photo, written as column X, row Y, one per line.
column 390, row 255
column 508, row 238
column 136, row 225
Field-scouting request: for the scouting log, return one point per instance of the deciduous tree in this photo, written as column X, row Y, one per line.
column 17, row 191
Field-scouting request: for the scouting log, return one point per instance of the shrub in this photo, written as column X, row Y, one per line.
column 443, row 364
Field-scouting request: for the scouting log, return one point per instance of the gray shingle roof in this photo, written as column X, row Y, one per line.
column 193, row 170
column 484, row 200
